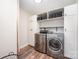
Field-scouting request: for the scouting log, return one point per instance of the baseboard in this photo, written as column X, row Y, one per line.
column 23, row 46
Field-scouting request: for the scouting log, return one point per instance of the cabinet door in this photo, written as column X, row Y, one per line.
column 71, row 10
column 70, row 31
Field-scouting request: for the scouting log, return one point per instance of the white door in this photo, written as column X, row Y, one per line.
column 70, row 30
column 33, row 28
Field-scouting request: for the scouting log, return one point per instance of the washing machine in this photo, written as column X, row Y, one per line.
column 55, row 45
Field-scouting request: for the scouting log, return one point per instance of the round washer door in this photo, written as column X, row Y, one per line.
column 55, row 44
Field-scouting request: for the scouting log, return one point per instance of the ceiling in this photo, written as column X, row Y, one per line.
column 46, row 5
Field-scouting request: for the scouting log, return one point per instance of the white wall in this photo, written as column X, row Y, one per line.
column 27, row 28
column 8, row 29
column 23, row 28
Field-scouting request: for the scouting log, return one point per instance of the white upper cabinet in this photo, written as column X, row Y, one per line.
column 70, row 10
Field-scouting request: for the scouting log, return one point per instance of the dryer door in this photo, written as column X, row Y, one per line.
column 55, row 44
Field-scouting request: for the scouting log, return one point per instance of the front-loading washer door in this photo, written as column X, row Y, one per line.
column 55, row 44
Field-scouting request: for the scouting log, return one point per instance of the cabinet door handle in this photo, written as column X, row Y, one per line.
column 65, row 14
column 65, row 29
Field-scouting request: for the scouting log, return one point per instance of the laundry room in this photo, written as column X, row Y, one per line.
column 38, row 29
column 47, row 28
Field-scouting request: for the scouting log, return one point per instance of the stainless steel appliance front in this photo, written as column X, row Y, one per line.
column 40, row 42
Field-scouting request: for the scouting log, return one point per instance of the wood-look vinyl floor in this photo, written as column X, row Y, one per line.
column 31, row 53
